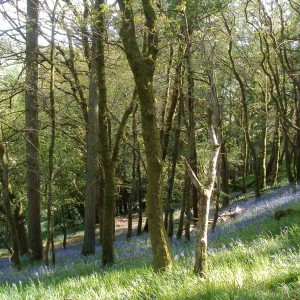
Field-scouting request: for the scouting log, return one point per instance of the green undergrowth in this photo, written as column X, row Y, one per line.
column 248, row 266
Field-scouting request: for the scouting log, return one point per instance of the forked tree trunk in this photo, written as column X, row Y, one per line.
column 109, row 154
column 205, row 192
column 142, row 67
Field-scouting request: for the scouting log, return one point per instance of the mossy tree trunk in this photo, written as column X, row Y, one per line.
column 142, row 66
column 109, row 154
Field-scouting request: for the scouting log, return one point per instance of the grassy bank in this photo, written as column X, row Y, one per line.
column 259, row 261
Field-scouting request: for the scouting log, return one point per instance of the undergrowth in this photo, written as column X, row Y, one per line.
column 257, row 261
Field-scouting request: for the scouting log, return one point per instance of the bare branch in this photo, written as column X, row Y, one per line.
column 198, row 185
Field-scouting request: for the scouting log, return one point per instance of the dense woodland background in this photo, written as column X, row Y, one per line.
column 100, row 102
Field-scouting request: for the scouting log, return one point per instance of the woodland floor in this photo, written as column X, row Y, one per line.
column 250, row 209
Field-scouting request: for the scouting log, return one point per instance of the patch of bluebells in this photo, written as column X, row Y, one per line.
column 255, row 209
column 70, row 258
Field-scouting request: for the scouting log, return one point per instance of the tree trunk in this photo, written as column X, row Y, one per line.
column 181, row 218
column 139, row 191
column 32, row 133
column 188, row 213
column 19, row 220
column 109, row 212
column 159, row 241
column 7, row 206
column 167, row 94
column 245, row 117
column 173, row 172
column 134, row 190
column 276, row 152
column 191, row 116
column 200, row 266
column 49, row 184
column 224, row 174
column 263, row 170
column 173, row 103
column 89, row 240
column 245, row 164
column 216, row 194
column 142, row 67
column 288, row 158
column 104, row 140
column 100, row 202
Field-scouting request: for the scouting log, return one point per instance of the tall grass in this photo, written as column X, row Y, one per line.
column 258, row 261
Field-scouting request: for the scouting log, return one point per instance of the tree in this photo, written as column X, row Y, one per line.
column 91, row 193
column 32, row 132
column 49, row 183
column 143, row 67
column 205, row 192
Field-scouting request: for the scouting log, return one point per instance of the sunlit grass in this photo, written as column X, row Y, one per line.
column 259, row 260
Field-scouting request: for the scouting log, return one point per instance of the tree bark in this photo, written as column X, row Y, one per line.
column 200, row 266
column 32, row 132
column 224, row 174
column 22, row 235
column 89, row 240
column 142, row 67
column 139, row 191
column 174, row 159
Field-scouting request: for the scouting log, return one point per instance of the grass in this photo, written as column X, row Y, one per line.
column 257, row 261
